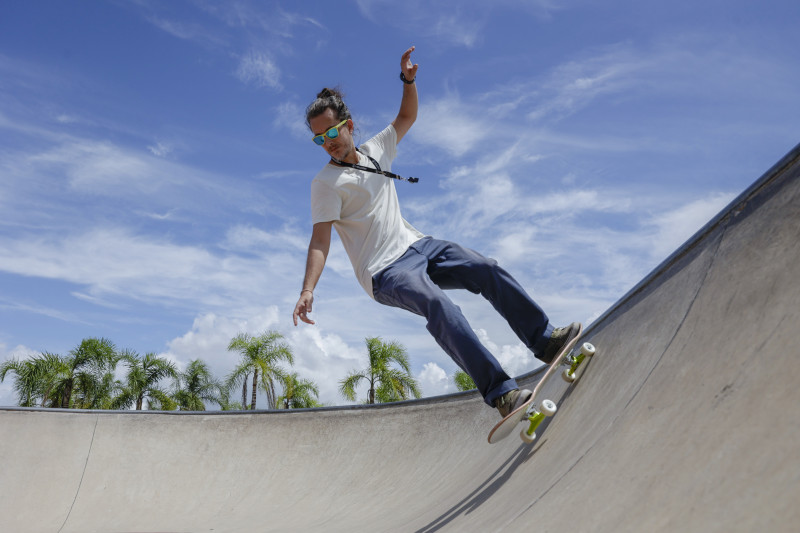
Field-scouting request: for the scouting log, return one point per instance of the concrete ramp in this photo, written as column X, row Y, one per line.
column 686, row 420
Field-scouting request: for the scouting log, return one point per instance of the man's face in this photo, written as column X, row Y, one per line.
column 342, row 146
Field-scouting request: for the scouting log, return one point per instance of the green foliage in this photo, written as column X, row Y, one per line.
column 195, row 386
column 142, row 382
column 463, row 381
column 85, row 378
column 260, row 357
column 298, row 393
column 386, row 383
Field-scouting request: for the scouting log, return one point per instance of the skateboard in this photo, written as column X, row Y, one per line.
column 574, row 360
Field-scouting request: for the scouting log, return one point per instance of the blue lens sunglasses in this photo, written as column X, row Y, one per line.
column 332, row 133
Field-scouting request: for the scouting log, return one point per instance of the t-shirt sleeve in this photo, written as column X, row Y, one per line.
column 383, row 146
column 326, row 204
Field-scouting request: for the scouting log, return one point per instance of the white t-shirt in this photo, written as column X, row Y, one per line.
column 364, row 209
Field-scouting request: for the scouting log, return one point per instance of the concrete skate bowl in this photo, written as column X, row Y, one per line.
column 686, row 420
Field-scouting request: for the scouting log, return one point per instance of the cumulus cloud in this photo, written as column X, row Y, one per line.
column 434, row 381
column 324, row 358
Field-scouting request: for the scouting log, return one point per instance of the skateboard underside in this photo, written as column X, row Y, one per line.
column 536, row 410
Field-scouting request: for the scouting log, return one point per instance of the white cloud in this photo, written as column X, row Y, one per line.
column 574, row 85
column 27, row 307
column 324, row 358
column 672, row 228
column 257, row 68
column 450, row 124
column 148, row 269
column 515, row 359
column 189, row 31
column 160, row 149
column 290, row 115
column 457, row 28
column 210, row 335
column 455, row 22
column 434, row 381
column 99, row 167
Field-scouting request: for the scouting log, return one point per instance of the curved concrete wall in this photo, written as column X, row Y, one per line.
column 686, row 420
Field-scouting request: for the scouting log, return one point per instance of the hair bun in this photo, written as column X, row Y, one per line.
column 328, row 98
column 327, row 93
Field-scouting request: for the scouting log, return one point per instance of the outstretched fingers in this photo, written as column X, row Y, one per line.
column 408, row 68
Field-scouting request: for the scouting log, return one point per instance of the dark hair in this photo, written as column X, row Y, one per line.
column 332, row 99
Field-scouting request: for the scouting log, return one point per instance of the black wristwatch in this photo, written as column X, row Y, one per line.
column 403, row 77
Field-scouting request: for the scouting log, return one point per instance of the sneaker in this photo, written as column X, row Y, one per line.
column 558, row 339
column 509, row 401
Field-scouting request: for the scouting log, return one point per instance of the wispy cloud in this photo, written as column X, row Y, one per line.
column 454, row 23
column 160, row 149
column 291, row 116
column 35, row 309
column 189, row 31
column 257, row 68
column 266, row 27
column 452, row 125
column 574, row 85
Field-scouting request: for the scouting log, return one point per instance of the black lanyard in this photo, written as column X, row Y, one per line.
column 376, row 170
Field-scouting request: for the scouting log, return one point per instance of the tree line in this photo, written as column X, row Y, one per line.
column 86, row 378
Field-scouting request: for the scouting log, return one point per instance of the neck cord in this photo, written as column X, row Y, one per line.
column 376, row 170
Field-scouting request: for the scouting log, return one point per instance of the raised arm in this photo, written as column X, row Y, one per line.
column 410, row 102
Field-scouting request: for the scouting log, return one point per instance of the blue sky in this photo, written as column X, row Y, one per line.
column 155, row 165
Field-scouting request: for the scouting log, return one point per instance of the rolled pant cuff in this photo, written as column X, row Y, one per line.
column 504, row 387
column 538, row 349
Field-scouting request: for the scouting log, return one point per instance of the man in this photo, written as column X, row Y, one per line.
column 399, row 266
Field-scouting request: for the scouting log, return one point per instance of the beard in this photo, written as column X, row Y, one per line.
column 341, row 151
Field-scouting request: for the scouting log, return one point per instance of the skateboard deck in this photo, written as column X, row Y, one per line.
column 533, row 412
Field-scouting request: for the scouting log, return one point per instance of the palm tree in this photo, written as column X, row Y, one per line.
column 463, row 381
column 260, row 357
column 93, row 384
column 25, row 382
column 386, row 384
column 141, row 382
column 36, row 379
column 297, row 393
column 84, row 379
column 195, row 386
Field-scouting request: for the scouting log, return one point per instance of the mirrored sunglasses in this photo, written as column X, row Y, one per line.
column 332, row 133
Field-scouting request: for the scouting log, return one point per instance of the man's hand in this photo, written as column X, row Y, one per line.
column 408, row 69
column 410, row 102
column 303, row 307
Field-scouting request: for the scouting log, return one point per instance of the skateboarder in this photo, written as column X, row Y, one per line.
column 399, row 266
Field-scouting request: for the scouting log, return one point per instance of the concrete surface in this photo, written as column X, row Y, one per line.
column 686, row 420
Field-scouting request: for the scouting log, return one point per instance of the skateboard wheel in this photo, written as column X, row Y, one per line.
column 548, row 408
column 569, row 378
column 527, row 438
column 587, row 349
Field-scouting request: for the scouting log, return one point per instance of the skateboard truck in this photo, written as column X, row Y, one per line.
column 537, row 413
column 575, row 361
column 536, row 416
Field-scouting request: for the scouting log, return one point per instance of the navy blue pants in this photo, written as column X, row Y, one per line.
column 417, row 281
